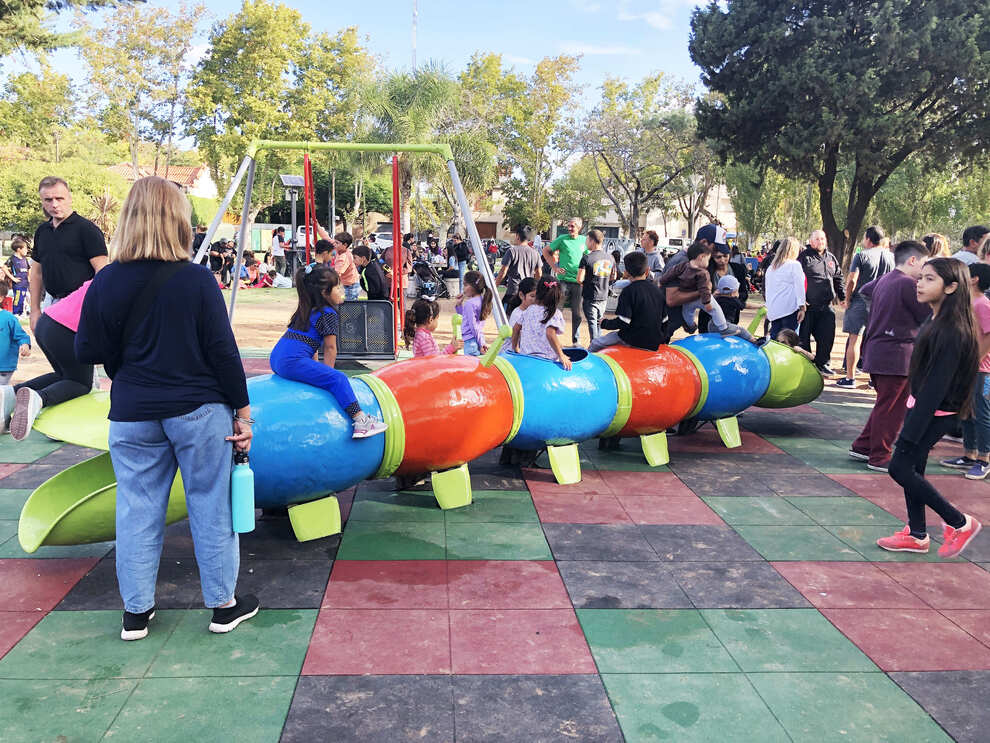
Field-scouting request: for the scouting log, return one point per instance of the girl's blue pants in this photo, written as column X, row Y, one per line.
column 293, row 360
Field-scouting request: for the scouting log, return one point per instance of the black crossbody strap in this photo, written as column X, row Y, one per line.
column 142, row 305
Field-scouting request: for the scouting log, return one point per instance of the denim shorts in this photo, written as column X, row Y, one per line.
column 854, row 319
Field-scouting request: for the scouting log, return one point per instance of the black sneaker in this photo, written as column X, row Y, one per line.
column 846, row 382
column 245, row 607
column 825, row 369
column 136, row 625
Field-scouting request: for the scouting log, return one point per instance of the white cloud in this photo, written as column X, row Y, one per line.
column 658, row 14
column 196, row 53
column 514, row 59
column 595, row 50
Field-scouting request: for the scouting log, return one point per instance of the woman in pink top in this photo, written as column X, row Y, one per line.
column 55, row 334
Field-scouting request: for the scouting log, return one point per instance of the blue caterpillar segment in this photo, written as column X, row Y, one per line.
column 738, row 373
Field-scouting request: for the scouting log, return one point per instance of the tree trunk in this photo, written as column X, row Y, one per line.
column 826, row 194
column 134, row 157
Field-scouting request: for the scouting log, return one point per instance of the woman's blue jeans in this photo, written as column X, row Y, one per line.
column 145, row 456
column 976, row 429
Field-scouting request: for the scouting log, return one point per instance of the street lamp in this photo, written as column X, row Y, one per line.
column 293, row 184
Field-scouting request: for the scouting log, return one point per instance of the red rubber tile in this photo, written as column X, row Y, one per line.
column 349, row 642
column 14, row 625
column 542, row 481
column 9, row 469
column 38, row 585
column 506, row 584
column 579, row 508
column 547, row 641
column 644, row 483
column 944, row 585
column 707, row 441
column 951, row 486
column 910, row 639
column 976, row 622
column 256, row 366
column 387, row 584
column 847, row 585
column 662, row 509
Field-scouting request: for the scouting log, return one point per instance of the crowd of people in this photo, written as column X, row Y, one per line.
column 157, row 324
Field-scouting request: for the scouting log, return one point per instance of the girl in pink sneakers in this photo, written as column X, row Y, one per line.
column 941, row 377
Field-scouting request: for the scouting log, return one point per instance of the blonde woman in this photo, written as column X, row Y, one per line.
column 178, row 400
column 938, row 245
column 784, row 288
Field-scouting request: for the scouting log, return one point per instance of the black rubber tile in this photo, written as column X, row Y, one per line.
column 69, row 455
column 956, row 699
column 605, row 542
column 272, row 539
column 707, row 484
column 681, row 543
column 730, row 464
column 622, row 585
column 978, row 550
column 805, row 484
column 535, row 709
column 31, row 476
column 285, row 584
column 371, row 709
column 736, row 585
column 97, row 590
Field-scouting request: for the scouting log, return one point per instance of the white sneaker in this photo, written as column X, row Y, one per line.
column 26, row 411
column 365, row 426
column 7, row 399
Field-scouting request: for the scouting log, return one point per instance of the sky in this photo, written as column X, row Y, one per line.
column 618, row 38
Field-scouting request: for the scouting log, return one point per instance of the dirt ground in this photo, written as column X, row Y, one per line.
column 261, row 316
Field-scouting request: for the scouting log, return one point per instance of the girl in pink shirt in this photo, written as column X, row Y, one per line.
column 420, row 322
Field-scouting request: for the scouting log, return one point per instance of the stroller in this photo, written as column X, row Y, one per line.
column 431, row 284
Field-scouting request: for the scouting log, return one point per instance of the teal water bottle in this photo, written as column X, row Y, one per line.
column 242, row 494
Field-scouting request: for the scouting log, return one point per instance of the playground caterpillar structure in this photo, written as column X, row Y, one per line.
column 442, row 412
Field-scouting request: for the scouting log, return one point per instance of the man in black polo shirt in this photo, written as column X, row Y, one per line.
column 824, row 277
column 68, row 249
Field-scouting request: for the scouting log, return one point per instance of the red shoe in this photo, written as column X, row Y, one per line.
column 902, row 541
column 954, row 541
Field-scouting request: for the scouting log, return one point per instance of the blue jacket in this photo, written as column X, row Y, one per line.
column 12, row 337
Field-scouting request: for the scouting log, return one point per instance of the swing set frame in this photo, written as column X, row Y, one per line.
column 247, row 169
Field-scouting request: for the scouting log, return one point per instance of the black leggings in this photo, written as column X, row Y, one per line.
column 907, row 467
column 70, row 378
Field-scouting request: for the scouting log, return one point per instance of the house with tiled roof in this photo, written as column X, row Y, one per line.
column 194, row 180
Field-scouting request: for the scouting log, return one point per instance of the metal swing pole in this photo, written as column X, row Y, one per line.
column 235, row 278
column 228, row 197
column 498, row 310
column 398, row 259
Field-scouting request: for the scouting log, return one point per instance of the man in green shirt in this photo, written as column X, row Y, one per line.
column 563, row 256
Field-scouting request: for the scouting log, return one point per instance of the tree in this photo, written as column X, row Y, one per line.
column 534, row 129
column 37, row 110
column 756, row 194
column 137, row 70
column 579, row 193
column 808, row 86
column 641, row 141
column 698, row 173
column 22, row 24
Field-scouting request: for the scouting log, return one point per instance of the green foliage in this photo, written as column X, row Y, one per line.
column 203, row 209
column 24, row 24
column 36, row 110
column 578, row 194
column 20, row 208
column 805, row 87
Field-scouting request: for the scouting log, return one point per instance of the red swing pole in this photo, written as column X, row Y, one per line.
column 306, row 187
column 398, row 259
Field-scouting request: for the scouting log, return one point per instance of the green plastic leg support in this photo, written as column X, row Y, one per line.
column 655, row 449
column 565, row 461
column 760, row 314
column 316, row 519
column 728, row 430
column 453, row 487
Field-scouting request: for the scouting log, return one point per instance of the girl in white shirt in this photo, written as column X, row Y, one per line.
column 784, row 288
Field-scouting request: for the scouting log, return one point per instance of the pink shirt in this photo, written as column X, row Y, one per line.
column 343, row 264
column 67, row 310
column 981, row 308
column 425, row 345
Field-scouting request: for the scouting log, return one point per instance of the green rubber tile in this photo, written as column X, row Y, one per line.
column 781, row 543
column 11, row 502
column 12, row 548
column 180, row 710
column 843, row 511
column 31, row 449
column 368, row 540
column 628, row 459
column 404, row 506
column 494, row 506
column 863, row 539
column 824, row 455
column 70, row 711
column 743, row 511
column 8, row 530
column 785, row 640
column 689, row 708
column 653, row 641
column 273, row 643
column 496, row 542
column 827, row 707
column 85, row 645
column 851, row 412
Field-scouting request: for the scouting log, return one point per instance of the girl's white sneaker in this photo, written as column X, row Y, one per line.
column 7, row 400
column 26, row 411
column 365, row 426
